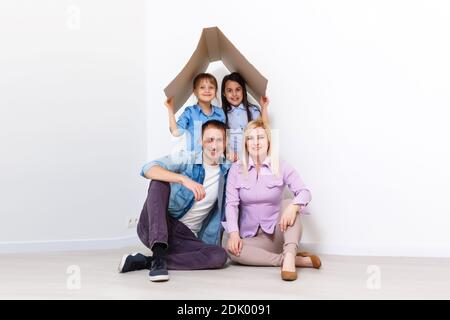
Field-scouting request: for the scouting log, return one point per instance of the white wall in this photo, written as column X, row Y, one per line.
column 360, row 93
column 72, row 122
column 359, row 90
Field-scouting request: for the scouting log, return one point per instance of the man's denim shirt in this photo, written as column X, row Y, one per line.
column 182, row 199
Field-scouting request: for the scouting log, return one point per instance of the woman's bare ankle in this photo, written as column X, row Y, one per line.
column 289, row 262
column 304, row 262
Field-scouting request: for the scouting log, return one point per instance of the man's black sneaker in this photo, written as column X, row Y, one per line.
column 133, row 262
column 158, row 270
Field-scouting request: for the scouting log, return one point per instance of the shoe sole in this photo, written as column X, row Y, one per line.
column 161, row 278
column 122, row 263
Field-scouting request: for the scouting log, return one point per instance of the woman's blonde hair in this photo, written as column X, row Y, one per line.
column 272, row 149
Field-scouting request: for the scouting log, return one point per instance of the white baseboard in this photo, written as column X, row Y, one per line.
column 133, row 240
column 427, row 251
column 69, row 245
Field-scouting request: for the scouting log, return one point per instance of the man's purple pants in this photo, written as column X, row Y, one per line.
column 185, row 251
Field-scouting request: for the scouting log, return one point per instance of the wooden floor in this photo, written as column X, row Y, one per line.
column 55, row 276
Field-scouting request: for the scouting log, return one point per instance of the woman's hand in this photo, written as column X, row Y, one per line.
column 288, row 217
column 196, row 188
column 235, row 244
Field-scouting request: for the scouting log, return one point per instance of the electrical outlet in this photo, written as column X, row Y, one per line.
column 132, row 222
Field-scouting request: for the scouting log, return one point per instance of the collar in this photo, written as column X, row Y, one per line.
column 223, row 162
column 266, row 163
column 199, row 109
column 241, row 107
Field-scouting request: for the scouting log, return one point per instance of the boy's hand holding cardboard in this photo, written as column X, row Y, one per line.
column 169, row 104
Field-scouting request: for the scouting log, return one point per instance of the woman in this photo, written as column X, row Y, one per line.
column 260, row 233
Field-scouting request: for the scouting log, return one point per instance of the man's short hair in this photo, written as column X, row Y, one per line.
column 215, row 124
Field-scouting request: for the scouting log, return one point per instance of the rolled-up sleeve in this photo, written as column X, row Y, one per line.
column 256, row 112
column 183, row 120
column 302, row 196
column 232, row 201
column 173, row 163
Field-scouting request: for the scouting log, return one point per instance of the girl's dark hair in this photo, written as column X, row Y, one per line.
column 235, row 76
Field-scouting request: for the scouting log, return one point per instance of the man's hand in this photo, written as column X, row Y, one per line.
column 235, row 244
column 196, row 188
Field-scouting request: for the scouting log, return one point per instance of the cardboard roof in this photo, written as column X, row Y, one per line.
column 214, row 46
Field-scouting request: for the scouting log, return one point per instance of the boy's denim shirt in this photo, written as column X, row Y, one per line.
column 190, row 123
column 182, row 199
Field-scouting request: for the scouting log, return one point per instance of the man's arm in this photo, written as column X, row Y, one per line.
column 161, row 174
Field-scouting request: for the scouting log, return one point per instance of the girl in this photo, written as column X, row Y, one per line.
column 193, row 117
column 239, row 112
column 261, row 232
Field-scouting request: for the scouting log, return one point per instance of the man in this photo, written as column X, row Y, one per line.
column 181, row 218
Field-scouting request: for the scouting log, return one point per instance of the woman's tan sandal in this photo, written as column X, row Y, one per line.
column 317, row 264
